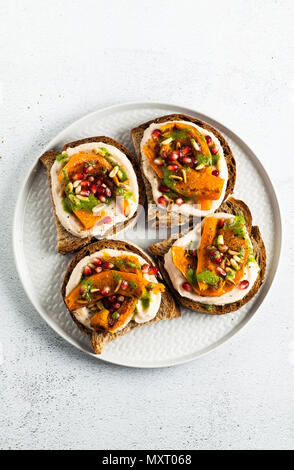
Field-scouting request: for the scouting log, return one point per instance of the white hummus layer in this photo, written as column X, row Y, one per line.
column 187, row 208
column 177, row 278
column 69, row 221
column 84, row 315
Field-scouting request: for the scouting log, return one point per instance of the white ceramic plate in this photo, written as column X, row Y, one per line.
column 41, row 269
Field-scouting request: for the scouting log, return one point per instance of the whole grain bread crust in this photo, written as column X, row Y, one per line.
column 235, row 207
column 168, row 308
column 154, row 212
column 66, row 242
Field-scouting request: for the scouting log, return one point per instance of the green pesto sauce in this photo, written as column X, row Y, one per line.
column 191, row 276
column 204, row 159
column 62, row 157
column 208, row 277
column 145, row 300
column 238, row 227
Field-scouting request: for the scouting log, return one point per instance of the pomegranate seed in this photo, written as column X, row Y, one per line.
column 97, row 261
column 120, row 298
column 145, row 268
column 107, row 220
column 162, row 201
column 108, row 192
column 218, row 259
column 85, row 192
column 208, row 139
column 212, row 253
column 94, row 188
column 214, row 150
column 174, row 156
column 172, row 167
column 82, row 291
column 243, row 285
column 180, row 201
column 116, row 306
column 102, row 198
column 163, row 154
column 85, row 184
column 187, row 286
column 221, row 223
column 163, row 188
column 221, row 271
column 78, row 176
column 187, row 160
column 98, row 269
column 158, row 161
column 91, row 179
column 101, row 190
column 153, row 270
column 112, row 298
column 87, row 271
column 108, row 265
column 186, row 150
column 105, row 290
column 88, row 169
column 215, row 173
column 156, row 134
column 124, row 285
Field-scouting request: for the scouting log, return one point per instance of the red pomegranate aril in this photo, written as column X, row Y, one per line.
column 145, row 268
column 120, row 298
column 174, row 156
column 186, row 286
column 107, row 219
column 98, row 270
column 156, row 134
column 172, row 167
column 82, row 290
column 153, row 270
column 112, row 298
column 162, row 201
column 186, row 150
column 158, row 161
column 214, row 150
column 163, row 188
column 124, row 285
column 87, row 271
column 105, row 290
column 94, row 188
column 212, row 253
column 180, row 201
column 108, row 265
column 108, row 192
column 215, row 173
column 102, row 198
column 116, row 306
column 78, row 176
column 218, row 259
column 244, row 285
column 221, row 271
column 163, row 154
column 208, row 139
column 222, row 248
column 101, row 190
column 85, row 193
column 89, row 169
column 97, row 261
column 221, row 223
column 85, row 184
column 187, row 160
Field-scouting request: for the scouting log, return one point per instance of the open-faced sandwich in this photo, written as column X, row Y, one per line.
column 95, row 188
column 219, row 265
column 110, row 288
column 187, row 165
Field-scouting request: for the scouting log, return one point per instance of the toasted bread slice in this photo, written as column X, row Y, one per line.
column 168, row 308
column 66, row 242
column 235, row 207
column 161, row 216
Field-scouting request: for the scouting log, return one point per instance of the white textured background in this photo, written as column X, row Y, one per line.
column 233, row 60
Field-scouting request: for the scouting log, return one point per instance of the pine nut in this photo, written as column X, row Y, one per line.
column 113, row 172
column 167, row 141
column 76, row 183
column 199, row 167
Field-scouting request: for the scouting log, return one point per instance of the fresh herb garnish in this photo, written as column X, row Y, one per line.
column 191, row 276
column 238, row 226
column 215, row 159
column 86, row 286
column 133, row 284
column 62, row 157
column 204, row 159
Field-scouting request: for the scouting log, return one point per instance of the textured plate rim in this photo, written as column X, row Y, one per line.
column 18, row 244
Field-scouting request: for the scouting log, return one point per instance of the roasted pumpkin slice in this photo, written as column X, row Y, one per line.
column 207, row 237
column 87, row 219
column 77, row 161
